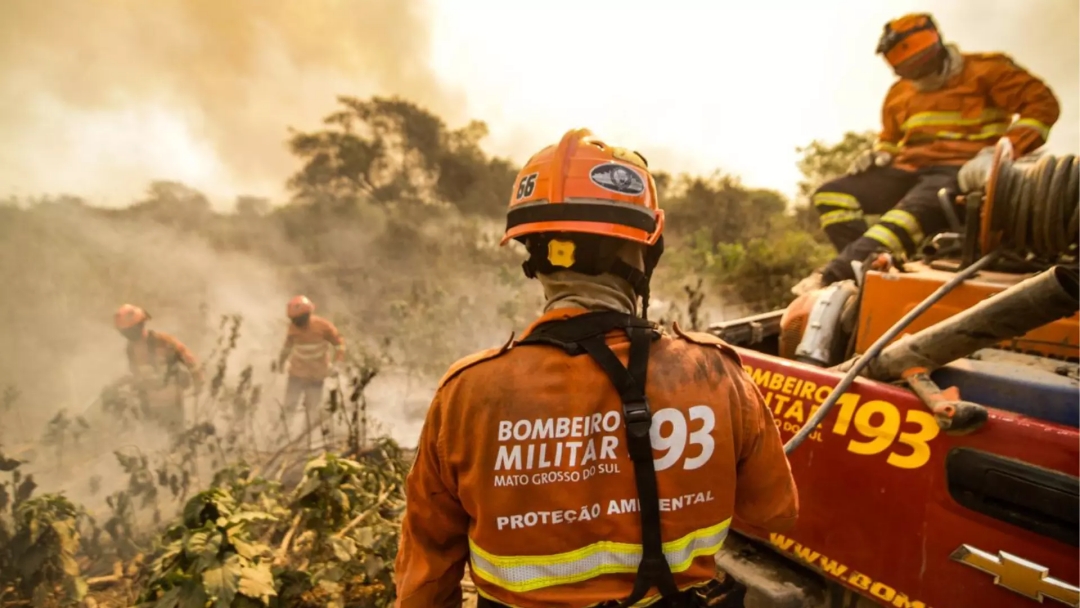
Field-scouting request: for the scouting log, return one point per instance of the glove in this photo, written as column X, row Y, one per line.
column 975, row 172
column 815, row 281
column 870, row 158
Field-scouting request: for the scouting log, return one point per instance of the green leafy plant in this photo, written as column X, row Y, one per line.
column 39, row 538
column 211, row 558
column 345, row 544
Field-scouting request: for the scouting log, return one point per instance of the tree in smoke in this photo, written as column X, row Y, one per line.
column 742, row 240
column 392, row 151
column 722, row 207
column 250, row 207
column 173, row 204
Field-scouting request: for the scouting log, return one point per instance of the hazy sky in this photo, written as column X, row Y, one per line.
column 100, row 97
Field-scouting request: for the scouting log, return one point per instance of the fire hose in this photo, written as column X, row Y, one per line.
column 876, row 348
column 1032, row 206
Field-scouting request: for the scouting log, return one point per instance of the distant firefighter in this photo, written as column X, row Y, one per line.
column 307, row 349
column 161, row 368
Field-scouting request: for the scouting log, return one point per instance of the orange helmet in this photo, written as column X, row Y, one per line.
column 128, row 316
column 584, row 185
column 910, row 41
column 572, row 197
column 299, row 306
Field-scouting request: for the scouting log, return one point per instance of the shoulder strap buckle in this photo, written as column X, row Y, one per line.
column 638, row 419
column 637, row 413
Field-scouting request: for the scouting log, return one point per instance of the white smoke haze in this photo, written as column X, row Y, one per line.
column 99, row 98
column 730, row 85
column 72, row 269
column 67, row 267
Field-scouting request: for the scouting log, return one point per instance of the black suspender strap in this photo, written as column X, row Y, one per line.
column 568, row 333
column 586, row 332
column 630, row 382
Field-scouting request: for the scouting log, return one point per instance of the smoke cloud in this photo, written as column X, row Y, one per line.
column 202, row 88
column 66, row 270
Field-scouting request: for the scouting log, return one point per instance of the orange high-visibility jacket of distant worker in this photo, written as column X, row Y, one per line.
column 153, row 355
column 307, row 346
column 523, row 469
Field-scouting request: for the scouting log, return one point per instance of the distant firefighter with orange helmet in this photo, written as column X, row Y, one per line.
column 940, row 121
column 598, row 458
column 161, row 367
column 307, row 350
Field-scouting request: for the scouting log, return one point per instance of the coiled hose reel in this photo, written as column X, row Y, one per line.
column 1028, row 208
column 1031, row 207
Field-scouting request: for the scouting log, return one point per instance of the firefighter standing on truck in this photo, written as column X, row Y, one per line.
column 307, row 349
column 534, row 465
column 161, row 368
column 940, row 122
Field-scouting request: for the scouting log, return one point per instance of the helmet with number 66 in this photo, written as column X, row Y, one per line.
column 584, row 185
column 576, row 203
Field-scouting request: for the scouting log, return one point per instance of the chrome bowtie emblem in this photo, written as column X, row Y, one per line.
column 1019, row 575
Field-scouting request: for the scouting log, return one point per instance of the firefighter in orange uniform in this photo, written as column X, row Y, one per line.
column 940, row 121
column 597, row 459
column 161, row 368
column 307, row 349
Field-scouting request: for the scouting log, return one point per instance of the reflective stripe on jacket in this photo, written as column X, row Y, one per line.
column 308, row 348
column 522, row 472
column 991, row 97
column 527, row 573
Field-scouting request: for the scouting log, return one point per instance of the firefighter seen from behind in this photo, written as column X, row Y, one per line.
column 550, row 465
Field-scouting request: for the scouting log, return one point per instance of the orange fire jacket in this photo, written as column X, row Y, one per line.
column 991, row 97
column 153, row 358
column 308, row 348
column 522, row 471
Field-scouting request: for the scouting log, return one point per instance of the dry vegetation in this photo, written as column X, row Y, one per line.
column 222, row 515
column 392, row 230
